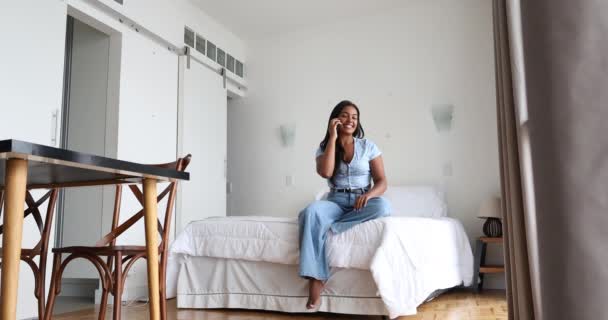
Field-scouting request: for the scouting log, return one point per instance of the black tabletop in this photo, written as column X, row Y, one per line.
column 48, row 166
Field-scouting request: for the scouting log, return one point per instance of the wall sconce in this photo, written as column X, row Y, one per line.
column 443, row 114
column 288, row 134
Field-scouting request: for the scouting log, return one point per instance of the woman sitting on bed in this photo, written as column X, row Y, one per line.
column 349, row 163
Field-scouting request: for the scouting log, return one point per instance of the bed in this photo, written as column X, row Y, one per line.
column 387, row 266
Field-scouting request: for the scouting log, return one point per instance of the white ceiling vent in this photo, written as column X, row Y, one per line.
column 221, row 57
column 200, row 44
column 189, row 37
column 211, row 50
column 239, row 68
column 230, row 63
column 196, row 41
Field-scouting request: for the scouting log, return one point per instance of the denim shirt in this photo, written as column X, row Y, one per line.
column 357, row 173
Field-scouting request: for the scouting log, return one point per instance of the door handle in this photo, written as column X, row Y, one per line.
column 54, row 126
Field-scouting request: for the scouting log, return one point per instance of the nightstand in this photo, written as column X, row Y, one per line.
column 480, row 258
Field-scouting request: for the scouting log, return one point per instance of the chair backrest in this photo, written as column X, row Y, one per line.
column 33, row 209
column 163, row 229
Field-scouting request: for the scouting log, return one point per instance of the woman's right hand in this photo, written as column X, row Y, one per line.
column 333, row 128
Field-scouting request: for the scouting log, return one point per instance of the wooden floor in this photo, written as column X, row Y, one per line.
column 452, row 305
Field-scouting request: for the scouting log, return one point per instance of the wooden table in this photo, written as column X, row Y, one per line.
column 25, row 165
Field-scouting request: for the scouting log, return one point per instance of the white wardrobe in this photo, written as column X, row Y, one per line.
column 202, row 132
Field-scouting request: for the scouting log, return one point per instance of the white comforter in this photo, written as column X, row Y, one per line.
column 409, row 258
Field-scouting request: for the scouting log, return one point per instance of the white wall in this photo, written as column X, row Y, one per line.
column 31, row 76
column 395, row 66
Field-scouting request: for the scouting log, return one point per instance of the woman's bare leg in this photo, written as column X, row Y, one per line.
column 315, row 287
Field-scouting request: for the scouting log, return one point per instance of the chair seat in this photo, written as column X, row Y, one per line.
column 27, row 253
column 105, row 251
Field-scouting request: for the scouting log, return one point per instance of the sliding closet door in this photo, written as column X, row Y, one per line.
column 202, row 132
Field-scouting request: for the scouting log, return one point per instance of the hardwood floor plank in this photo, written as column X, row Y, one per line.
column 456, row 305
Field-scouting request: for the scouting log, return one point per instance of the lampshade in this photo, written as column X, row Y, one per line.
column 490, row 208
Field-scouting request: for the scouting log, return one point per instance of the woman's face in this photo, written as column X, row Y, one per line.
column 349, row 118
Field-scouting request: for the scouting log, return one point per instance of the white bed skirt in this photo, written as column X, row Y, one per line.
column 205, row 282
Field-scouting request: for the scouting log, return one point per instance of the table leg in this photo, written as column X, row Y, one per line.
column 150, row 219
column 478, row 248
column 15, row 184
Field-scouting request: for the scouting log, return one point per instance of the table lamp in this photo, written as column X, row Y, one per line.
column 490, row 209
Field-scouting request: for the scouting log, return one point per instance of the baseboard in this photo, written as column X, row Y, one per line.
column 130, row 293
column 79, row 287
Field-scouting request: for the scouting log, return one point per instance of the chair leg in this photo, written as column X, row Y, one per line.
column 38, row 282
column 42, row 286
column 103, row 305
column 163, row 303
column 117, row 287
column 163, row 289
column 41, row 305
column 55, row 287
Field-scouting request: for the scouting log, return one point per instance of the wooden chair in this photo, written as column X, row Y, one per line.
column 119, row 258
column 41, row 249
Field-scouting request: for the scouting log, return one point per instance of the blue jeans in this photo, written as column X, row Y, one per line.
column 335, row 213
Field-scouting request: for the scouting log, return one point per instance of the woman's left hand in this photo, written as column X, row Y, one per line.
column 361, row 201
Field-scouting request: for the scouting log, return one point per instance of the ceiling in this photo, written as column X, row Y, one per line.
column 258, row 18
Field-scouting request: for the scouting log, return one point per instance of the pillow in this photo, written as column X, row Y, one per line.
column 410, row 201
column 416, row 201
